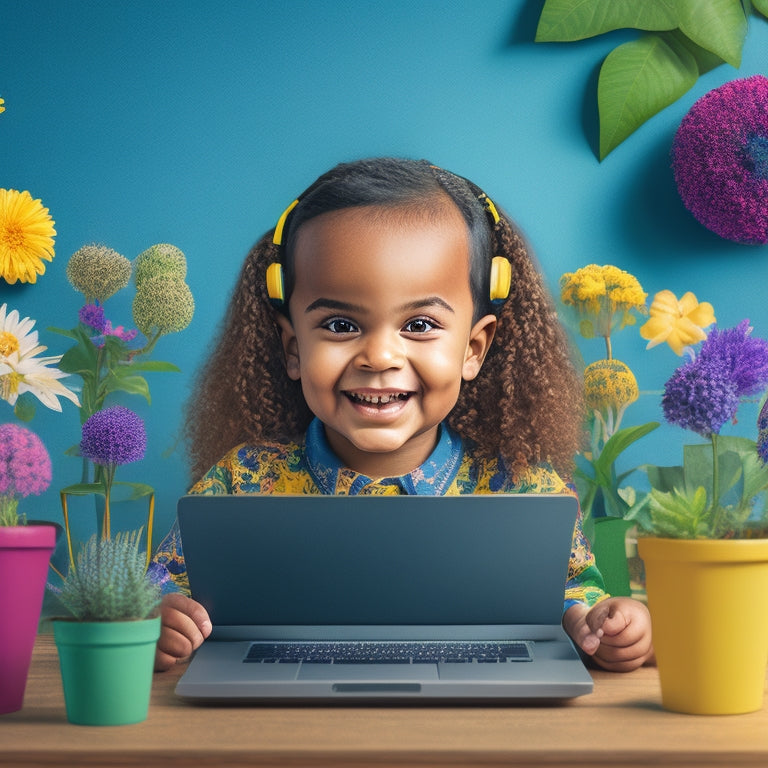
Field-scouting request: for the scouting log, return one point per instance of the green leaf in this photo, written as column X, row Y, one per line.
column 84, row 489
column 82, row 358
column 719, row 26
column 154, row 366
column 678, row 514
column 761, row 6
column 25, row 407
column 135, row 490
column 133, row 385
column 705, row 60
column 637, row 80
column 567, row 20
column 621, row 440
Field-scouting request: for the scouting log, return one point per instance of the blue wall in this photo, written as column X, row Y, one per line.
column 195, row 123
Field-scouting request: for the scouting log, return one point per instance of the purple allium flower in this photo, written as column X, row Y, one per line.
column 744, row 359
column 700, row 396
column 720, row 160
column 92, row 315
column 762, row 433
column 25, row 466
column 114, row 435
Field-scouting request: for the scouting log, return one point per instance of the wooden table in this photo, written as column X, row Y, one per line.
column 620, row 724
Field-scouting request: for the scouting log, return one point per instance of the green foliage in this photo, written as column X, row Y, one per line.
column 109, row 581
column 598, row 485
column 679, row 40
column 695, row 501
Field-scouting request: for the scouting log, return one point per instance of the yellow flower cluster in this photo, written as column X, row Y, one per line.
column 609, row 384
column 605, row 296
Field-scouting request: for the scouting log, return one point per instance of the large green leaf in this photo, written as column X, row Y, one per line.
column 566, row 20
column 719, row 26
column 637, row 80
column 761, row 6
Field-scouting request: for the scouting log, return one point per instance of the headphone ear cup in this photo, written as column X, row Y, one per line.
column 275, row 284
column 501, row 279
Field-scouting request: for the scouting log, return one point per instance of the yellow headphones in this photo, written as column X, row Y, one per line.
column 501, row 269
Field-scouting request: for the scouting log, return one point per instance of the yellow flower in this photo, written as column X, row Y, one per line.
column 26, row 236
column 607, row 296
column 679, row 323
column 2, row 102
column 609, row 384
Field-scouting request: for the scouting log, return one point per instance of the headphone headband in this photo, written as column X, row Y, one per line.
column 501, row 269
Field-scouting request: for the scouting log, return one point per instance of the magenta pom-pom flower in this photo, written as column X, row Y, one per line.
column 720, row 160
column 25, row 466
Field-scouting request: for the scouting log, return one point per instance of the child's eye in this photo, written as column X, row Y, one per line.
column 419, row 325
column 339, row 325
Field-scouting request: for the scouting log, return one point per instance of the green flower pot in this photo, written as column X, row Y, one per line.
column 609, row 548
column 106, row 669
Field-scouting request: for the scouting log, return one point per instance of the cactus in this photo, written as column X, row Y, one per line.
column 110, row 581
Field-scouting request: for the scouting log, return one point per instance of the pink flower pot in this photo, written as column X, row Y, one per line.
column 24, row 555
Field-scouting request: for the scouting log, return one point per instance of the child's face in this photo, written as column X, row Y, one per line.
column 381, row 332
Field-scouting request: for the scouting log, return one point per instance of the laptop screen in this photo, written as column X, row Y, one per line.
column 378, row 560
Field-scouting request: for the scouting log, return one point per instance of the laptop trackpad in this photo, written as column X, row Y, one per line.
column 390, row 672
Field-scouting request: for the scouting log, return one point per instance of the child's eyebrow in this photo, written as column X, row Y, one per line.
column 343, row 306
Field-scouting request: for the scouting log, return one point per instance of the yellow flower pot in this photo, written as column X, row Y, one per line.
column 709, row 607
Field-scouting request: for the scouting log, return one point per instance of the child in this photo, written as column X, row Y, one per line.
column 392, row 335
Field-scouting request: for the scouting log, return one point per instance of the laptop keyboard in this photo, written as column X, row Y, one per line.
column 409, row 652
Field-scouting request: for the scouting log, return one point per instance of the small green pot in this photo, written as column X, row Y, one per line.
column 106, row 669
column 609, row 548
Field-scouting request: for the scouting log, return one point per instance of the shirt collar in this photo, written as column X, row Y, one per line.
column 432, row 478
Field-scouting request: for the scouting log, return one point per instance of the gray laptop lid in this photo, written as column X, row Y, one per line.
column 261, row 560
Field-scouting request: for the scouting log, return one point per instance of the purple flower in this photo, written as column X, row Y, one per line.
column 744, row 360
column 700, row 396
column 762, row 433
column 25, row 466
column 92, row 315
column 720, row 160
column 114, row 436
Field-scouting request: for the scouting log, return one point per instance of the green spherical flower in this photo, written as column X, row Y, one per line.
column 98, row 272
column 162, row 304
column 609, row 384
column 160, row 259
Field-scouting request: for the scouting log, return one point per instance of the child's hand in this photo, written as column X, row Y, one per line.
column 184, row 626
column 616, row 632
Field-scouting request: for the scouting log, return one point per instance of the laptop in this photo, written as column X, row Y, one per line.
column 425, row 599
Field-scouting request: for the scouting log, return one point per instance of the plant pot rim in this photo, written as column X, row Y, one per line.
column 713, row 550
column 34, row 535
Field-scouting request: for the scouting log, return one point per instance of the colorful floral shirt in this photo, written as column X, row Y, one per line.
column 311, row 467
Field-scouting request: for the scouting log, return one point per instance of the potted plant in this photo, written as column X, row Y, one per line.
column 25, row 550
column 705, row 526
column 107, row 647
column 25, row 469
column 603, row 300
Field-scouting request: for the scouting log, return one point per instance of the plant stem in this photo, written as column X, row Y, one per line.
column 717, row 511
column 608, row 348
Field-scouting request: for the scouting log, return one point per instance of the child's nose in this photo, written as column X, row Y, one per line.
column 381, row 350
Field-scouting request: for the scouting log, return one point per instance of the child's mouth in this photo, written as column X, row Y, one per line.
column 377, row 400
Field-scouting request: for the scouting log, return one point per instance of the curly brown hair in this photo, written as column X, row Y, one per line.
column 526, row 403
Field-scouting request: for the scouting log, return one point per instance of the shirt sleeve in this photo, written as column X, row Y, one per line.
column 584, row 583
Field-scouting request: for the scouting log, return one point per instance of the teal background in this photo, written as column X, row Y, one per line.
column 195, row 123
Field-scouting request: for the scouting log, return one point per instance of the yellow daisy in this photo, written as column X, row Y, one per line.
column 26, row 236
column 679, row 323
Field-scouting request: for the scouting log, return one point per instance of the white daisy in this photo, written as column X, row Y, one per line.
column 21, row 371
column 17, row 339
